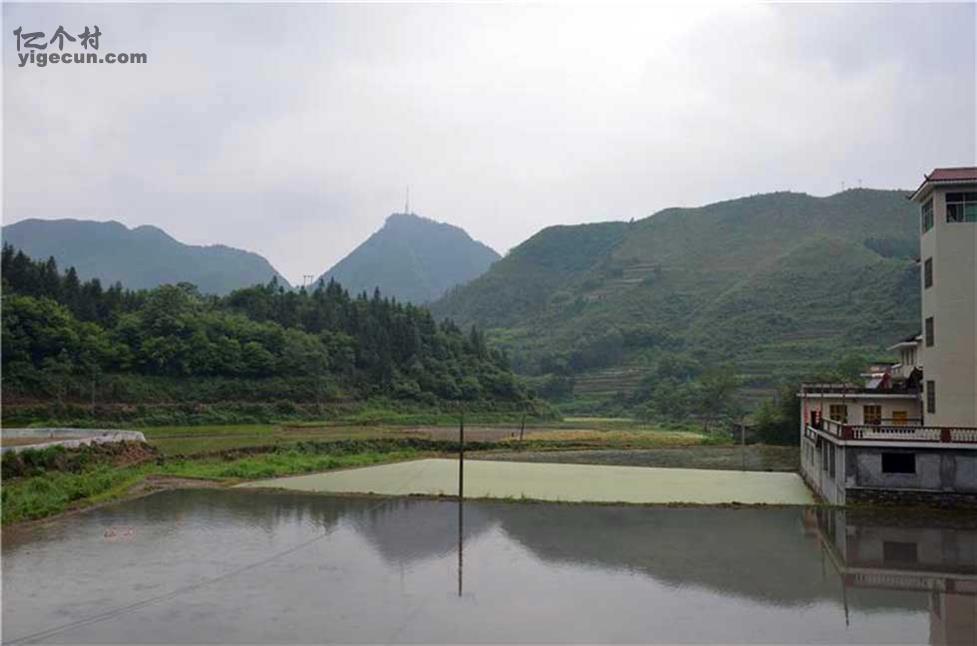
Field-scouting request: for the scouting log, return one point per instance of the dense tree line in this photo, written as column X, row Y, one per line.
column 355, row 346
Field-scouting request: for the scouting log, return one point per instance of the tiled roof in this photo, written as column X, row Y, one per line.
column 947, row 175
column 962, row 174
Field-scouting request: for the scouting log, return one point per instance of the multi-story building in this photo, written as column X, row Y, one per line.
column 908, row 433
column 948, row 253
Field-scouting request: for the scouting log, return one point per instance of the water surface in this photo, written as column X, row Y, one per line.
column 224, row 566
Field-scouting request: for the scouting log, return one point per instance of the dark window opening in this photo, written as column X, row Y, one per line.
column 871, row 414
column 961, row 207
column 928, row 273
column 927, row 215
column 899, row 552
column 898, row 463
column 930, row 396
column 838, row 412
column 930, row 332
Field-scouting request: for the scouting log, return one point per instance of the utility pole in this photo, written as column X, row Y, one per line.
column 461, row 457
column 743, row 442
column 407, row 202
column 94, row 368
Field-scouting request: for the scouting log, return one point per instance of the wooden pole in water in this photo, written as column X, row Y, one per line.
column 522, row 427
column 461, row 457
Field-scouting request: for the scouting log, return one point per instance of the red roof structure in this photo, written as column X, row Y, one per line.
column 960, row 175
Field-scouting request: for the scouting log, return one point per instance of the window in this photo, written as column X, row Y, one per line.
column 926, row 213
column 930, row 333
column 871, row 414
column 900, row 417
column 930, row 396
column 928, row 273
column 961, row 207
column 899, row 552
column 898, row 463
column 838, row 412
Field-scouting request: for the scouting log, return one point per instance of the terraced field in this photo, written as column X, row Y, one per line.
column 608, row 382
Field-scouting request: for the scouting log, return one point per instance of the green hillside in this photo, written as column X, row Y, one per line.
column 776, row 284
column 139, row 258
column 412, row 259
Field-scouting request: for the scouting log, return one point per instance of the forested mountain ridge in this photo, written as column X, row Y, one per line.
column 63, row 339
column 413, row 259
column 140, row 258
column 773, row 283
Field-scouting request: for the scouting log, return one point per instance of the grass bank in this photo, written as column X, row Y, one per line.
column 48, row 486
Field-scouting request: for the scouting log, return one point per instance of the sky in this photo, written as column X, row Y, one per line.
column 294, row 130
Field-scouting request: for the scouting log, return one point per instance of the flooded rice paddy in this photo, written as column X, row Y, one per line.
column 223, row 566
column 557, row 482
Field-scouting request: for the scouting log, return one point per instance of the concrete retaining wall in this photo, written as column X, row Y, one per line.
column 909, row 497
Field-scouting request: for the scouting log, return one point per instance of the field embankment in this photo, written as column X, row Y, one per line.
column 49, row 481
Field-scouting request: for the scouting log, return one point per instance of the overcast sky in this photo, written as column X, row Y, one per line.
column 293, row 131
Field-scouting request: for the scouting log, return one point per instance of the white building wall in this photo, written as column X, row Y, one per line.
column 952, row 303
column 909, row 404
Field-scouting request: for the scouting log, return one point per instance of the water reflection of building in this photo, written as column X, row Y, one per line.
column 888, row 552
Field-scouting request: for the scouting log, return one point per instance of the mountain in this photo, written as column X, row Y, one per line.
column 413, row 259
column 774, row 283
column 139, row 258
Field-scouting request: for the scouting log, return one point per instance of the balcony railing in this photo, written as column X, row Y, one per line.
column 902, row 433
column 841, row 390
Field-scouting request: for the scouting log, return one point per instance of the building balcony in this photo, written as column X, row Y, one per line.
column 937, row 435
column 847, row 390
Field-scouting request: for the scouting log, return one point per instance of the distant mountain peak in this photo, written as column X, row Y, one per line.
column 413, row 258
column 142, row 257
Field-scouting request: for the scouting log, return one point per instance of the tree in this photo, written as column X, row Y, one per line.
column 716, row 397
column 849, row 370
column 361, row 345
column 777, row 420
column 58, row 369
